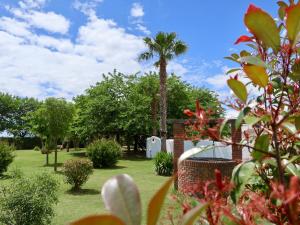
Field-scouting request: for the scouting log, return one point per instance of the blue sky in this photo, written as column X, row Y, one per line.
column 60, row 48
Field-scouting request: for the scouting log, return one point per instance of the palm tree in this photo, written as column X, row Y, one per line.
column 165, row 47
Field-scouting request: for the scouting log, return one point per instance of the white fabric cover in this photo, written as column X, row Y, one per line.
column 153, row 146
column 219, row 151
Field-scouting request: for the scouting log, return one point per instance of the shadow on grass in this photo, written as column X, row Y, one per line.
column 79, row 154
column 5, row 177
column 52, row 165
column 83, row 192
column 135, row 158
column 112, row 168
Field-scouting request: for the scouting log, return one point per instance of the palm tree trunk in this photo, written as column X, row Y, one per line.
column 163, row 103
column 154, row 116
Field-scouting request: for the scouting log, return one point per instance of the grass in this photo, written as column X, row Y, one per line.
column 72, row 205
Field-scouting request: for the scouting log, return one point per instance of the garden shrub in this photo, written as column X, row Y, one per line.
column 37, row 149
column 29, row 200
column 77, row 172
column 163, row 163
column 6, row 157
column 104, row 153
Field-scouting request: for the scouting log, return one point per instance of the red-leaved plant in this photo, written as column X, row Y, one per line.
column 265, row 190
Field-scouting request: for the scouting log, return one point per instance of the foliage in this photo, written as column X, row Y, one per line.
column 104, row 153
column 164, row 46
column 13, row 111
column 77, row 172
column 127, row 106
column 37, row 149
column 163, row 163
column 252, row 208
column 51, row 122
column 29, row 200
column 267, row 189
column 6, row 157
column 122, row 188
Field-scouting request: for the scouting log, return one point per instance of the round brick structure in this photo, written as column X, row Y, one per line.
column 193, row 170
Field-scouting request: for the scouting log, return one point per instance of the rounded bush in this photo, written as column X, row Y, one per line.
column 163, row 163
column 104, row 153
column 77, row 172
column 29, row 200
column 6, row 157
column 37, row 149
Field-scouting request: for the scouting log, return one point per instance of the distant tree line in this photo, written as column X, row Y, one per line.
column 123, row 107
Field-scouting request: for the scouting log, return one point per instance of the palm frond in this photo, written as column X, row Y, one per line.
column 145, row 56
column 180, row 47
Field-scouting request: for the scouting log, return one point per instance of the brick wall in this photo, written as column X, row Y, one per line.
column 190, row 171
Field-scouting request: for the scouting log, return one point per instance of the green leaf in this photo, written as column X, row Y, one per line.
column 241, row 116
column 297, row 122
column 282, row 9
column 252, row 120
column 291, row 168
column 241, row 175
column 263, row 27
column 190, row 217
column 257, row 74
column 156, row 203
column 99, row 220
column 289, row 127
column 223, row 125
column 293, row 23
column 262, row 143
column 232, row 70
column 121, row 197
column 244, row 53
column 239, row 89
column 253, row 60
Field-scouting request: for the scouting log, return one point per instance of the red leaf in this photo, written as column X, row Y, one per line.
column 253, row 8
column 188, row 112
column 198, row 108
column 213, row 133
column 243, row 38
column 219, row 182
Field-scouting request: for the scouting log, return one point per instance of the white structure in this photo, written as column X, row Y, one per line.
column 218, row 151
column 153, row 146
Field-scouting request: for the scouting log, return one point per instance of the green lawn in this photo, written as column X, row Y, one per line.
column 73, row 206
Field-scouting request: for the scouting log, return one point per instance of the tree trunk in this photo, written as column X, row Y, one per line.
column 136, row 143
column 154, row 116
column 47, row 159
column 55, row 160
column 163, row 103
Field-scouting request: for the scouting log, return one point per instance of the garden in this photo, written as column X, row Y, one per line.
column 86, row 164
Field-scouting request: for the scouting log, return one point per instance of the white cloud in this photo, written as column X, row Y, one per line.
column 31, row 4
column 43, row 65
column 177, row 68
column 143, row 29
column 14, row 27
column 48, row 21
column 136, row 18
column 86, row 7
column 137, row 10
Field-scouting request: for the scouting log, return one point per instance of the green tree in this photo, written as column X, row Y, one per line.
column 6, row 110
column 165, row 46
column 59, row 118
column 13, row 111
column 99, row 109
column 148, row 85
column 51, row 122
column 18, row 126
